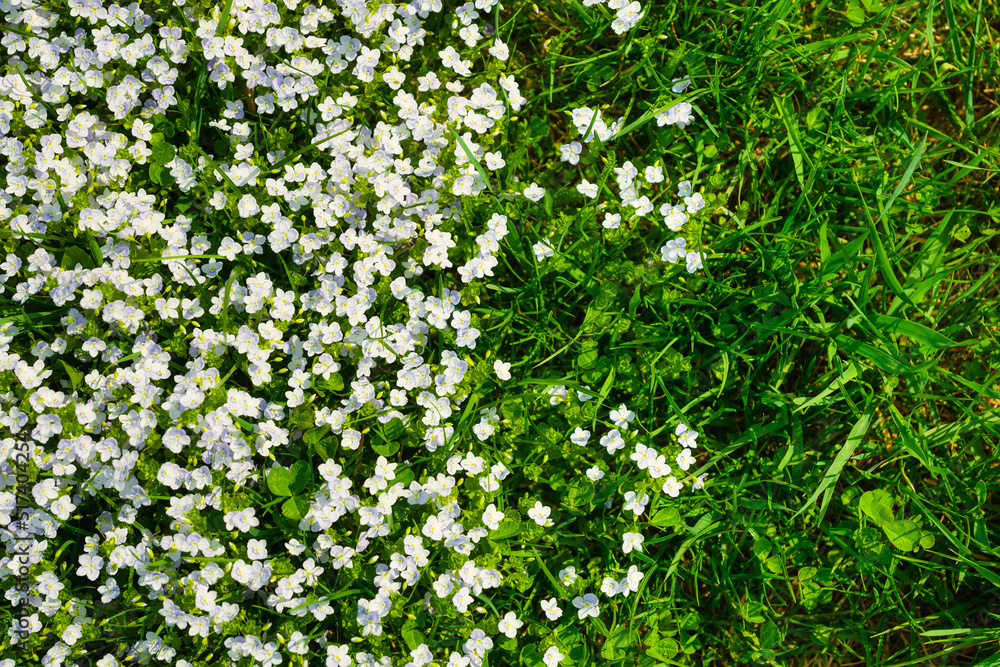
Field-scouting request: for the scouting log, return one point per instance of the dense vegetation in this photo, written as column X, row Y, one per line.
column 570, row 333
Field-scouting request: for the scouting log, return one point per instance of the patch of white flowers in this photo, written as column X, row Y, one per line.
column 221, row 307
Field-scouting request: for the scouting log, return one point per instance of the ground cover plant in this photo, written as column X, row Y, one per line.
column 448, row 334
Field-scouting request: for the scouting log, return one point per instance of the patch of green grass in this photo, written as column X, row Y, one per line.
column 843, row 340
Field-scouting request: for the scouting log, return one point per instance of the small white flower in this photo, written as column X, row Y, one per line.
column 587, row 606
column 685, row 460
column 551, row 609
column 534, row 192
column 552, row 656
column 632, row 541
column 502, row 369
column 672, row 487
column 542, row 250
column 587, row 189
column 540, row 514
column 509, row 625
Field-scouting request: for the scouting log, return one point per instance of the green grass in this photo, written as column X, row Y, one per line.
column 844, row 337
column 838, row 353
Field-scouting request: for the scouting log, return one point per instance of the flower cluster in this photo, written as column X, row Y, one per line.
column 263, row 392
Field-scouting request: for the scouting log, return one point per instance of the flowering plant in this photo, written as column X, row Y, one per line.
column 266, row 412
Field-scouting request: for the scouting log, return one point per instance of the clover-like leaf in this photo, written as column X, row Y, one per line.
column 904, row 535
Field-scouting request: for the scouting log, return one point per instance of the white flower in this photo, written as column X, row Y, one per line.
column 672, row 487
column 685, row 460
column 686, row 437
column 693, row 260
column 587, row 189
column 568, row 575
column 612, row 441
column 610, row 587
column 540, row 514
column 542, row 250
column 587, row 606
column 694, row 203
column 632, row 541
column 492, row 517
column 534, row 192
column 551, row 609
column 552, row 656
column 502, row 369
column 509, row 625
column 636, row 504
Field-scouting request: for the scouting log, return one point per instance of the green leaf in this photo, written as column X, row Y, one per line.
column 160, row 176
column 855, row 14
column 163, row 153
column 386, row 449
column 664, row 649
column 904, row 535
column 753, row 612
column 73, row 256
column 335, row 383
column 580, row 493
column 288, row 482
column 587, row 358
column 314, row 435
column 918, row 332
column 884, row 360
column 666, row 517
column 762, row 547
column 770, row 635
column 507, row 528
column 412, row 636
column 279, row 481
column 75, row 376
column 795, row 145
column 301, row 472
column 854, row 439
column 878, row 506
column 295, row 508
column 394, row 429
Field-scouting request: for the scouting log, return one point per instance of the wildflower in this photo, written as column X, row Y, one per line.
column 542, row 250
column 551, row 609
column 502, row 369
column 672, row 487
column 587, row 189
column 686, row 437
column 492, row 517
column 684, row 459
column 587, row 606
column 509, row 625
column 635, row 503
column 568, row 575
column 612, row 441
column 540, row 514
column 632, row 541
column 552, row 656
column 534, row 192
column 631, row 581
